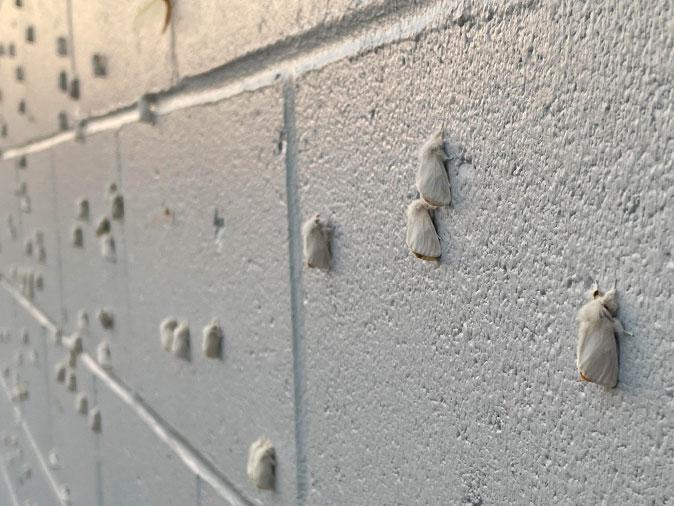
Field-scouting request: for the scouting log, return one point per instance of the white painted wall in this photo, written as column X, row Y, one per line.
column 388, row 380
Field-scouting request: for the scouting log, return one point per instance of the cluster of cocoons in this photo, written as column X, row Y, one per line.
column 434, row 190
column 175, row 338
column 103, row 229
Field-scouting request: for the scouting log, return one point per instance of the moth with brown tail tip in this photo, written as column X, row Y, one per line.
column 597, row 350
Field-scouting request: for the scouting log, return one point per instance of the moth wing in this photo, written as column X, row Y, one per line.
column 597, row 353
column 432, row 181
column 421, row 237
column 317, row 250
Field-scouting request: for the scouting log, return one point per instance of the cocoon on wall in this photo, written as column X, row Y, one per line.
column 81, row 404
column 60, row 372
column 597, row 349
column 181, row 341
column 103, row 355
column 261, row 466
column 95, row 420
column 211, row 344
column 431, row 178
column 166, row 330
column 316, row 243
column 422, row 238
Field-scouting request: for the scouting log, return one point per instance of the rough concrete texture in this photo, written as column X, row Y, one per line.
column 387, row 380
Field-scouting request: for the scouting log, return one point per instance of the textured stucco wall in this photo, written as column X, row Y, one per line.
column 387, row 380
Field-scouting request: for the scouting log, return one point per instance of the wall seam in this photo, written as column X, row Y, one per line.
column 295, row 275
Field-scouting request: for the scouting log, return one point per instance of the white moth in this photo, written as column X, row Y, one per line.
column 95, row 420
column 117, row 207
column 103, row 226
column 431, row 178
column 28, row 247
column 82, row 209
column 105, row 318
column 166, row 329
column 56, row 337
column 81, row 404
column 53, row 457
column 316, row 243
column 33, row 358
column 422, row 238
column 103, row 355
column 146, row 112
column 77, row 237
column 74, row 343
column 72, row 359
column 71, row 381
column 181, row 341
column 25, row 337
column 60, row 372
column 39, row 282
column 19, row 392
column 82, row 319
column 597, row 349
column 211, row 344
column 108, row 249
column 261, row 466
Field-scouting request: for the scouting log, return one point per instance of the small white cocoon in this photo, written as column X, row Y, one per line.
column 105, row 318
column 211, row 344
column 60, row 372
column 422, row 238
column 82, row 209
column 71, row 381
column 95, row 420
column 103, row 226
column 82, row 319
column 39, row 281
column 597, row 349
column 117, row 207
column 166, row 330
column 20, row 392
column 316, row 243
column 181, row 341
column 28, row 247
column 261, row 466
column 53, row 458
column 72, row 359
column 108, row 249
column 103, row 355
column 25, row 337
column 32, row 357
column 74, row 343
column 78, row 237
column 81, row 404
column 431, row 178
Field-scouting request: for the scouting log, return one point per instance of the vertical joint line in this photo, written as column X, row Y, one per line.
column 295, row 266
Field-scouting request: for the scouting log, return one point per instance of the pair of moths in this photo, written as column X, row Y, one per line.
column 434, row 191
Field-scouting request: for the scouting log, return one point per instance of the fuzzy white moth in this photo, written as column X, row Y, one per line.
column 316, row 243
column 95, row 420
column 82, row 209
column 53, row 457
column 19, row 392
column 71, row 381
column 60, row 372
column 103, row 355
column 74, row 343
column 181, row 341
column 166, row 330
column 105, row 318
column 103, row 226
column 431, row 178
column 72, row 359
column 108, row 249
column 82, row 319
column 33, row 358
column 25, row 337
column 117, row 207
column 81, row 404
column 78, row 237
column 422, row 238
column 597, row 349
column 211, row 344
column 39, row 282
column 261, row 466
column 28, row 247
